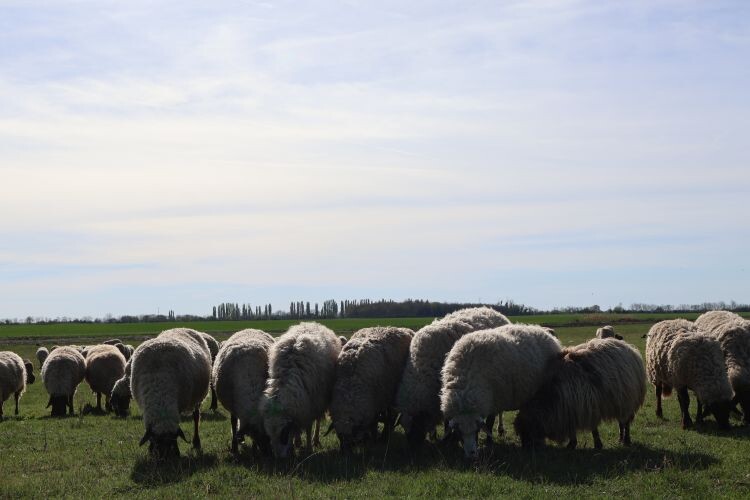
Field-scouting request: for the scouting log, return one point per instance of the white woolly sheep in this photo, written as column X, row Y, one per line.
column 170, row 375
column 368, row 371
column 120, row 397
column 105, row 365
column 239, row 375
column 213, row 347
column 600, row 380
column 710, row 321
column 418, row 395
column 734, row 339
column 301, row 375
column 63, row 370
column 607, row 332
column 679, row 357
column 15, row 373
column 491, row 371
column 41, row 355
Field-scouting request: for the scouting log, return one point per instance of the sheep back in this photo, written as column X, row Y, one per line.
column 710, row 321
column 63, row 370
column 368, row 371
column 105, row 365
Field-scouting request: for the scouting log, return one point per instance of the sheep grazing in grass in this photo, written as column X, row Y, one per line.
column 239, row 375
column 734, row 339
column 120, row 396
column 491, row 371
column 301, row 375
column 105, row 365
column 601, row 380
column 710, row 321
column 368, row 371
column 63, row 370
column 15, row 373
column 170, row 375
column 41, row 355
column 679, row 357
column 607, row 332
column 213, row 347
column 418, row 395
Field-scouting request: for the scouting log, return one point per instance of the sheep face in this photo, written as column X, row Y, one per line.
column 416, row 427
column 530, row 429
column 356, row 435
column 283, row 445
column 720, row 410
column 29, row 372
column 120, row 404
column 59, row 405
column 258, row 436
column 466, row 427
column 163, row 446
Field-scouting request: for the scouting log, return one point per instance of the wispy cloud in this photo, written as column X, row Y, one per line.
column 527, row 150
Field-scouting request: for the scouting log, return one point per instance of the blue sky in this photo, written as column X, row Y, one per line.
column 552, row 152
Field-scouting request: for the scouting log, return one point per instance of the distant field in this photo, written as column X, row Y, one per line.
column 343, row 326
column 98, row 456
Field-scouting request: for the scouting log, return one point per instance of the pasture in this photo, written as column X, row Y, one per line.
column 98, row 456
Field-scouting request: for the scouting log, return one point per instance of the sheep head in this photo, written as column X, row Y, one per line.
column 162, row 446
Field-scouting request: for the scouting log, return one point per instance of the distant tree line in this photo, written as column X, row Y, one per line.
column 367, row 308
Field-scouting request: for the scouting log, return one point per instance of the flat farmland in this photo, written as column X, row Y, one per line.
column 98, row 456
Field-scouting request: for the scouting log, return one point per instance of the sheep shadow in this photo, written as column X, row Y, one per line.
column 150, row 472
column 738, row 431
column 551, row 464
column 559, row 465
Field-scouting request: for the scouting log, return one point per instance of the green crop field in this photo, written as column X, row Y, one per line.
column 98, row 456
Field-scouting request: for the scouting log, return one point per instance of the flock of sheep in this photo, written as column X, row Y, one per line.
column 463, row 370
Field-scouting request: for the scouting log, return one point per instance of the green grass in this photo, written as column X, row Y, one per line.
column 98, row 456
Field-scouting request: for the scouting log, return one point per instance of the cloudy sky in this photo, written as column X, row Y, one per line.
column 551, row 152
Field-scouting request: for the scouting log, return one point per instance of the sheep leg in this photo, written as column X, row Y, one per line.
column 196, row 436
column 626, row 431
column 573, row 442
column 107, row 403
column 597, row 440
column 489, row 423
column 500, row 428
column 99, row 402
column 70, row 404
column 308, row 437
column 17, row 395
column 699, row 412
column 684, row 398
column 316, row 434
column 1, row 409
column 214, row 404
column 659, row 412
column 235, row 443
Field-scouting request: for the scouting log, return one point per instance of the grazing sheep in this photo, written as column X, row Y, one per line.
column 607, row 332
column 125, row 349
column 15, row 373
column 491, row 371
column 418, row 395
column 368, row 371
column 601, row 380
column 63, row 370
column 120, row 397
column 239, row 376
column 105, row 365
column 679, row 357
column 343, row 340
column 113, row 342
column 710, row 321
column 41, row 355
column 301, row 375
column 734, row 339
column 170, row 375
column 213, row 347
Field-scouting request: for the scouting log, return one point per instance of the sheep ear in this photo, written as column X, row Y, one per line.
column 145, row 437
column 328, row 431
column 181, row 434
column 618, row 337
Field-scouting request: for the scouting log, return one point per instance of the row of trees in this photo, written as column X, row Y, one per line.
column 366, row 308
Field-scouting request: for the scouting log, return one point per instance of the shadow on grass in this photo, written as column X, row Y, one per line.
column 150, row 472
column 709, row 428
column 552, row 464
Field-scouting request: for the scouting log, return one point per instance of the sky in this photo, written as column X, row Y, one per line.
column 178, row 155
